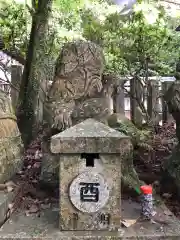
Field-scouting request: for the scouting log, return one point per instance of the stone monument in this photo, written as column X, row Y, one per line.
column 90, row 156
column 77, row 93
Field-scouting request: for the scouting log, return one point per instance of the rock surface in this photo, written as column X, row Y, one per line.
column 90, row 142
column 77, row 93
column 90, row 136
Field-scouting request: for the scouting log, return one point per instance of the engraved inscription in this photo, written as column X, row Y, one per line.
column 90, row 192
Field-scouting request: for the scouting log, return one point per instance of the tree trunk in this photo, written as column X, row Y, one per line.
column 33, row 70
column 16, row 76
column 172, row 98
column 172, row 164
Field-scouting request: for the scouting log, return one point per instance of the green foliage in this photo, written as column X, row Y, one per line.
column 136, row 44
column 14, row 21
column 140, row 43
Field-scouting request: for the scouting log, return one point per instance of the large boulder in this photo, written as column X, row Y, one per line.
column 78, row 92
column 72, row 97
column 10, row 140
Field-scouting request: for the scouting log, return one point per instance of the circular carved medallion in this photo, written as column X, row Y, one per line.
column 89, row 192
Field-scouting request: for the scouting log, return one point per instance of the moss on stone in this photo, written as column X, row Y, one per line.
column 123, row 124
column 129, row 175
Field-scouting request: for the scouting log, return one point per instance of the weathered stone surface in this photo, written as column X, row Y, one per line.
column 99, row 185
column 109, row 166
column 5, row 200
column 78, row 75
column 10, row 140
column 97, row 107
column 77, row 93
column 50, row 166
column 90, row 136
column 103, row 211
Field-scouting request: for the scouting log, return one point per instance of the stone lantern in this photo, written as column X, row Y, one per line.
column 90, row 156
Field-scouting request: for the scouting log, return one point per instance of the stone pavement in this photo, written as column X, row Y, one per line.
column 46, row 226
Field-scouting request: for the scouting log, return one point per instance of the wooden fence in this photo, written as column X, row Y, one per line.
column 143, row 102
column 135, row 99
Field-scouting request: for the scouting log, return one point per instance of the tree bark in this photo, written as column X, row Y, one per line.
column 33, row 70
column 16, row 76
column 172, row 164
column 172, row 98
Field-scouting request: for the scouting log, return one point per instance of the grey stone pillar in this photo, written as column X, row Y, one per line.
column 90, row 156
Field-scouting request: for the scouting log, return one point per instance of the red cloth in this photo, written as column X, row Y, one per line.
column 146, row 189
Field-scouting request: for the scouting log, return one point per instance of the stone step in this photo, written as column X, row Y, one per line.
column 46, row 226
column 5, row 200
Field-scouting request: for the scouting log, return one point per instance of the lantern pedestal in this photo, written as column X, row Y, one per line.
column 90, row 175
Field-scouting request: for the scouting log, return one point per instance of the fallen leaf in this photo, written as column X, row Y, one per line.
column 37, row 165
column 9, row 189
column 10, row 206
column 8, row 214
column 168, row 213
column 27, row 213
column 167, row 195
column 153, row 222
column 34, row 181
column 10, row 183
column 161, row 229
column 128, row 222
column 10, row 186
column 33, row 209
column 23, row 176
column 154, row 213
column 45, row 206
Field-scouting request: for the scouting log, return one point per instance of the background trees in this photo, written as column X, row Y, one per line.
column 139, row 44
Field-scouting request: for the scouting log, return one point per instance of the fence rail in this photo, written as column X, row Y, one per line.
column 142, row 102
column 136, row 100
